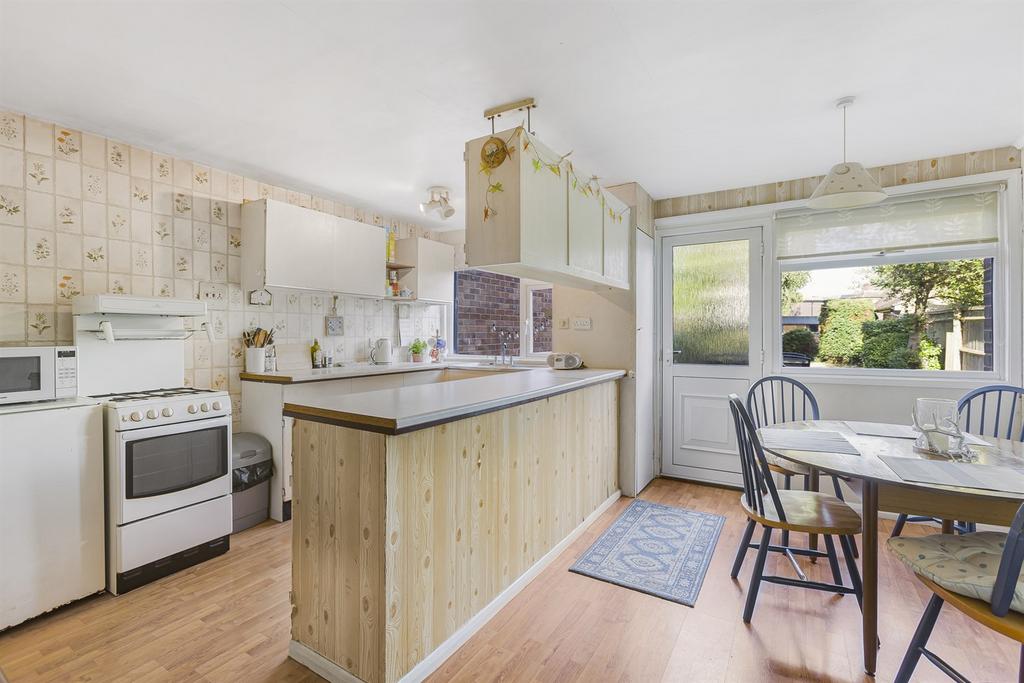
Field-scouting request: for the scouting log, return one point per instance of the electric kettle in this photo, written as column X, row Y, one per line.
column 380, row 351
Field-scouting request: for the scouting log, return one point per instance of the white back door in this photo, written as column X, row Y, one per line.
column 711, row 346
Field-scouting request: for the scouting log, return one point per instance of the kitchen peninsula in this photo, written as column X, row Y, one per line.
column 419, row 512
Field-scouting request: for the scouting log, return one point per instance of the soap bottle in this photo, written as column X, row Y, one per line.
column 315, row 353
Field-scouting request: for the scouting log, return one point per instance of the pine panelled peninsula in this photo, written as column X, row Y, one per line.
column 418, row 513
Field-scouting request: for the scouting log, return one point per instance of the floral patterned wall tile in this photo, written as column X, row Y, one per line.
column 80, row 213
column 12, row 130
column 67, row 144
column 12, row 205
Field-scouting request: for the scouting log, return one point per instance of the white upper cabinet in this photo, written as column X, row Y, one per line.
column 289, row 246
column 617, row 229
column 529, row 213
column 586, row 224
column 431, row 276
column 359, row 252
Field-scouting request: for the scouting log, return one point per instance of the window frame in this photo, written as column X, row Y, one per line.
column 981, row 251
column 526, row 290
column 526, row 354
column 1006, row 294
column 1011, row 236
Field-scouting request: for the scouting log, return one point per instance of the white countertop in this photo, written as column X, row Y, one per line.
column 76, row 402
column 395, row 411
column 343, row 372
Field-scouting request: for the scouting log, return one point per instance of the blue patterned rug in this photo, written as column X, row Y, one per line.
column 655, row 549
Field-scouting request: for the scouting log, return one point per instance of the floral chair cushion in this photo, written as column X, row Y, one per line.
column 965, row 564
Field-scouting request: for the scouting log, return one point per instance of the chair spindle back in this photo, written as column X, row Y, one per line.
column 757, row 478
column 996, row 410
column 775, row 399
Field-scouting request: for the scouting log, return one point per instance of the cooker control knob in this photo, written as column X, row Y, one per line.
column 151, row 414
column 192, row 408
column 167, row 412
column 203, row 407
column 216, row 405
column 136, row 416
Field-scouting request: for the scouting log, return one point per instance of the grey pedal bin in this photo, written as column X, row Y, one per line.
column 252, row 467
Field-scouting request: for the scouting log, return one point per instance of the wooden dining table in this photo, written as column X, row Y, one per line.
column 882, row 490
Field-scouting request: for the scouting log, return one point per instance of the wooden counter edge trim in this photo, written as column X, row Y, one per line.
column 433, row 661
column 383, row 425
column 267, row 379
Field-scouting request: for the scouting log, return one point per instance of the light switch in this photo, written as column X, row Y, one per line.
column 563, row 323
column 579, row 323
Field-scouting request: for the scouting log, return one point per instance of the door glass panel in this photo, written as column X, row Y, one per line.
column 711, row 303
column 164, row 464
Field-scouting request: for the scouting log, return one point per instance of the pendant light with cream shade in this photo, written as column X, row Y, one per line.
column 847, row 185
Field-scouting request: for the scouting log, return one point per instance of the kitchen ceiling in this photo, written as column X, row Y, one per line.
column 372, row 101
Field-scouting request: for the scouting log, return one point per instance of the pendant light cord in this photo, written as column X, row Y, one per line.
column 844, row 132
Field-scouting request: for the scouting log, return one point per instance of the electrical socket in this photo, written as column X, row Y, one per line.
column 582, row 324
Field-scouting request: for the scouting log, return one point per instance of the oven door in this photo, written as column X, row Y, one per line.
column 165, row 468
column 26, row 374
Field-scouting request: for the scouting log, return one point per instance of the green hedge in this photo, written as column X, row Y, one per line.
column 800, row 341
column 840, row 326
column 887, row 345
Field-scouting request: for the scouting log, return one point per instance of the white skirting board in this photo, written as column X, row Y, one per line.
column 334, row 673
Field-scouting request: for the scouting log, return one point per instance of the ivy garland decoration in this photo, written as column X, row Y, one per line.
column 496, row 151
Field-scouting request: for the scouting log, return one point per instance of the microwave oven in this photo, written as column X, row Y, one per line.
column 38, row 373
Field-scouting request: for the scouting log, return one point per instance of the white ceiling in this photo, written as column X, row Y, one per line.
column 372, row 101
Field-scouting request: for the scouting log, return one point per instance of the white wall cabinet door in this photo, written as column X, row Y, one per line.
column 432, row 276
column 543, row 210
column 357, row 258
column 616, row 226
column 586, row 230
column 298, row 247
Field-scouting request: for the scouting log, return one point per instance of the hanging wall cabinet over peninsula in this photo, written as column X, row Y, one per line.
column 290, row 246
column 532, row 213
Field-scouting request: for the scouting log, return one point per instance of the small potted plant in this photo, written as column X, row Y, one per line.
column 417, row 348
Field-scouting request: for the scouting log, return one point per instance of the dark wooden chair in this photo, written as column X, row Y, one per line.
column 775, row 399
column 976, row 573
column 996, row 410
column 787, row 510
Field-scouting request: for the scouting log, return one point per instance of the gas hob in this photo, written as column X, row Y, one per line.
column 155, row 407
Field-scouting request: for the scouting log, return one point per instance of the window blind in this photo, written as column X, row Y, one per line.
column 902, row 224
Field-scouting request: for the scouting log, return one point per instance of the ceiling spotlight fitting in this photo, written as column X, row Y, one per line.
column 439, row 201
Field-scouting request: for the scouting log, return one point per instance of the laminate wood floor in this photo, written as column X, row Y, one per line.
column 228, row 620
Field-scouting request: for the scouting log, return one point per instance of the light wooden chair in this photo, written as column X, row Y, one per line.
column 776, row 399
column 983, row 412
column 977, row 574
column 801, row 511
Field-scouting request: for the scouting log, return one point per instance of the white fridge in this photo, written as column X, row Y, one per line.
column 51, row 493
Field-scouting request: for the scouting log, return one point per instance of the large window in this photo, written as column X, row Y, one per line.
column 491, row 308
column 905, row 285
